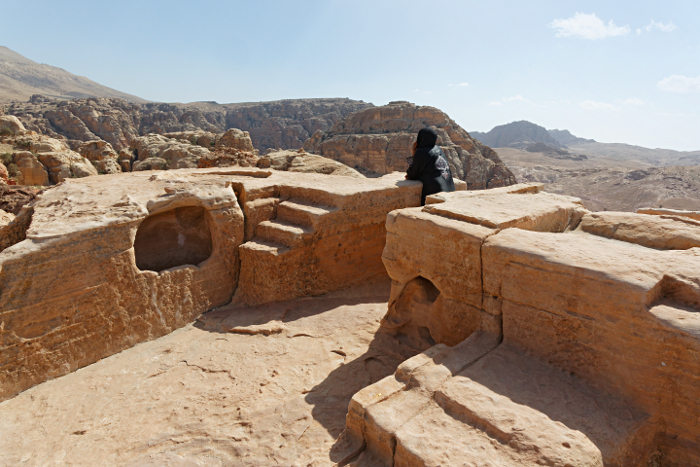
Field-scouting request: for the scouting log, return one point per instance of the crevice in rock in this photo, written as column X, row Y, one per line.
column 16, row 231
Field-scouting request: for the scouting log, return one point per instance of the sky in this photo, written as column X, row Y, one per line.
column 615, row 71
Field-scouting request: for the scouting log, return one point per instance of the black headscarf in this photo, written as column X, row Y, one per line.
column 426, row 138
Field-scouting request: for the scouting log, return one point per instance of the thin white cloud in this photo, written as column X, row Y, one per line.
column 668, row 27
column 593, row 105
column 680, row 83
column 587, row 27
column 668, row 114
column 495, row 103
column 633, row 101
column 463, row 84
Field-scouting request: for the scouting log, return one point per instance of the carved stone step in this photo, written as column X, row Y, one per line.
column 282, row 232
column 300, row 213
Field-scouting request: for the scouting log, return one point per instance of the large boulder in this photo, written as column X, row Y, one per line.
column 11, row 126
column 228, row 158
column 235, row 139
column 378, row 140
column 31, row 171
column 301, row 161
column 176, row 154
column 102, row 155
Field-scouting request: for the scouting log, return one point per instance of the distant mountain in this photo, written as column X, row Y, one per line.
column 516, row 135
column 20, row 78
column 566, row 138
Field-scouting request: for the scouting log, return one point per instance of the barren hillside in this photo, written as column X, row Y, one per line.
column 20, row 78
column 607, row 184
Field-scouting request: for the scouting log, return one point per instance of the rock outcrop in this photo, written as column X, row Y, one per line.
column 301, row 161
column 284, row 124
column 520, row 329
column 13, row 198
column 11, row 126
column 166, row 153
column 378, row 140
column 572, row 336
column 33, row 159
column 191, row 150
column 102, row 155
column 99, row 264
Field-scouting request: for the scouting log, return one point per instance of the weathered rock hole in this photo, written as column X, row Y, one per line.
column 676, row 293
column 173, row 238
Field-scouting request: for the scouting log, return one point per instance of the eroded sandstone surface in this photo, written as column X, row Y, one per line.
column 218, row 393
column 166, row 246
column 379, row 139
column 518, row 329
column 569, row 338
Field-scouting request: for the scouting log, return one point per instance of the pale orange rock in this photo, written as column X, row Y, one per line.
column 102, row 155
column 167, row 246
column 379, row 139
column 593, row 325
column 32, row 172
column 301, row 161
column 11, row 126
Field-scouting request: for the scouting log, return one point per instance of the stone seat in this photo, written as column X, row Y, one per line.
column 502, row 409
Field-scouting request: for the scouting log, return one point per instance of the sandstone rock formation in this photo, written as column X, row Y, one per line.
column 575, row 336
column 284, row 124
column 174, row 154
column 301, row 161
column 191, row 149
column 10, row 126
column 379, row 139
column 102, row 155
column 34, row 159
column 13, row 198
column 521, row 329
column 165, row 247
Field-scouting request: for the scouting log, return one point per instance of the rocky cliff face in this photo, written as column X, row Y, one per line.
column 517, row 135
column 379, row 139
column 282, row 124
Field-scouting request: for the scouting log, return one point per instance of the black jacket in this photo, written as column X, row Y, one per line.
column 430, row 166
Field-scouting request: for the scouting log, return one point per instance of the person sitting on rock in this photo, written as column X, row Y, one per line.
column 429, row 165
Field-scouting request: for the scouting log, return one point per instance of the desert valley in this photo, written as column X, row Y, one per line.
column 257, row 283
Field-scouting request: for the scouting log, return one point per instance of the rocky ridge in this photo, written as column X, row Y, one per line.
column 284, row 124
column 379, row 139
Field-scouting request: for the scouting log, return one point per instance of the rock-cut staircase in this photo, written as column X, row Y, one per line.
column 271, row 262
column 297, row 222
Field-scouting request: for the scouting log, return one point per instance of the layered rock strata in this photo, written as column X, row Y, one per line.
column 380, row 139
column 575, row 332
column 165, row 247
column 284, row 124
